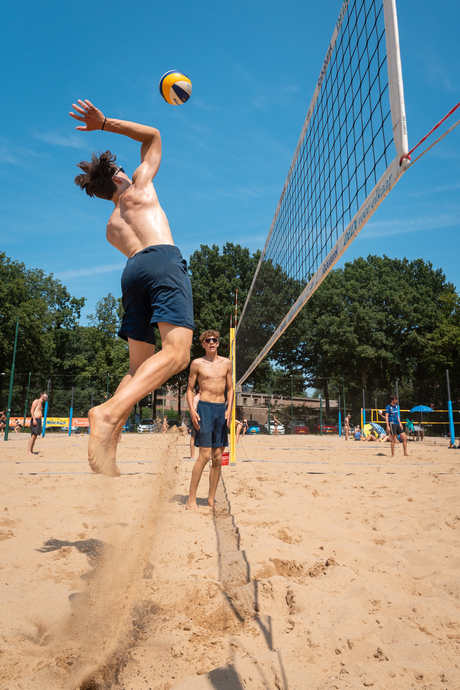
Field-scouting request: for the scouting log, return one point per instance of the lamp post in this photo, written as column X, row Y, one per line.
column 292, row 407
column 10, row 395
column 320, row 415
column 27, row 400
column 1, row 381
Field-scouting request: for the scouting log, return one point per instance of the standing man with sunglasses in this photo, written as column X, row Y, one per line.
column 155, row 283
column 212, row 416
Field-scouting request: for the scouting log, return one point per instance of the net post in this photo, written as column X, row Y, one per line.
column 71, row 413
column 233, row 415
column 45, row 416
column 451, row 416
column 340, row 421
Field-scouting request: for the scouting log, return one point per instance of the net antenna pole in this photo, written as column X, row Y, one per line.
column 341, row 171
column 233, row 360
column 233, row 415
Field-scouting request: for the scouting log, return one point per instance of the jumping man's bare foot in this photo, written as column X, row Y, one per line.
column 101, row 451
column 193, row 507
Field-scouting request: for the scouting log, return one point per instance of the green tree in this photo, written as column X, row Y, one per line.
column 216, row 276
column 106, row 355
column 48, row 316
column 374, row 321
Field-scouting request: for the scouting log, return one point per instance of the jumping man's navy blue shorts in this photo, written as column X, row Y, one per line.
column 156, row 288
column 213, row 425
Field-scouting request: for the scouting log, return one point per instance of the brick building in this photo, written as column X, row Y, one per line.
column 255, row 405
column 250, row 404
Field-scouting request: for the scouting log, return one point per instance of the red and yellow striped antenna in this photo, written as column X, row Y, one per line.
column 233, row 361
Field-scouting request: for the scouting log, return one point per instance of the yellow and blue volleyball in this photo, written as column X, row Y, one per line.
column 175, row 87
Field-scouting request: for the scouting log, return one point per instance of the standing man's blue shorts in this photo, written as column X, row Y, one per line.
column 213, row 425
column 156, row 288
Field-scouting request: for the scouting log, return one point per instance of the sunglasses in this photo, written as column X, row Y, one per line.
column 211, row 340
column 117, row 170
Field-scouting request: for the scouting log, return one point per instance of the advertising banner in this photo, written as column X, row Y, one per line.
column 53, row 422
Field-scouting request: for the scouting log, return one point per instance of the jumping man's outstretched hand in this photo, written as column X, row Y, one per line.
column 90, row 115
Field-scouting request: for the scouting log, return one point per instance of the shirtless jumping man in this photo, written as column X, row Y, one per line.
column 36, row 421
column 155, row 282
column 211, row 417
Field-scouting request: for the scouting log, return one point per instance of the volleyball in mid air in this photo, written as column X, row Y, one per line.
column 175, row 87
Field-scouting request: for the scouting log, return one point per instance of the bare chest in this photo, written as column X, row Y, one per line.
column 212, row 372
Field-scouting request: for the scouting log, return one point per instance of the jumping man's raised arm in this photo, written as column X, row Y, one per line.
column 148, row 136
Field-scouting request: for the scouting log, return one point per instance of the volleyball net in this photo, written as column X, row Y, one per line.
column 351, row 152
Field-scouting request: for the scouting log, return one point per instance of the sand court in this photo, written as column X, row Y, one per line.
column 327, row 565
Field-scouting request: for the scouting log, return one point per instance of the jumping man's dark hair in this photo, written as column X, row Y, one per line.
column 97, row 179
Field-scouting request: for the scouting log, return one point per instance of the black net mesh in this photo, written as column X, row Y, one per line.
column 346, row 148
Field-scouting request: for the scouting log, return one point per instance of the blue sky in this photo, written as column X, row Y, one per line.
column 227, row 151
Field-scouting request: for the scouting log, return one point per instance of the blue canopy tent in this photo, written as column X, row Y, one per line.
column 421, row 409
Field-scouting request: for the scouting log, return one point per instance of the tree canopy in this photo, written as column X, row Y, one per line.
column 374, row 321
column 370, row 323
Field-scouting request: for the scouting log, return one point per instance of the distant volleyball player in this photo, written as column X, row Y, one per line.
column 155, row 283
column 212, row 414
